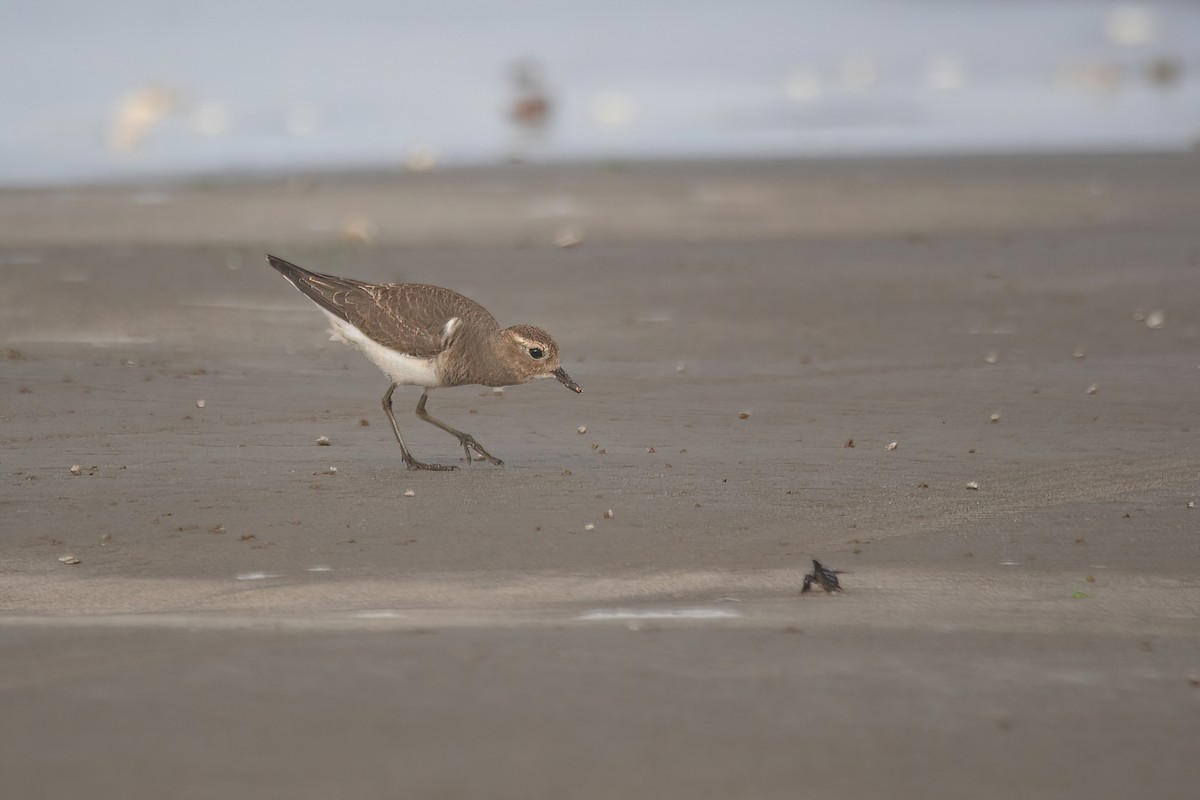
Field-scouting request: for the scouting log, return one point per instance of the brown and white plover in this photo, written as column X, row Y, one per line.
column 430, row 337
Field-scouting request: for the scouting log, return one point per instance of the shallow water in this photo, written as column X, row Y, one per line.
column 152, row 90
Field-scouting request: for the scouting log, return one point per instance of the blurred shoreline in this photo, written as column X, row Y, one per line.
column 537, row 205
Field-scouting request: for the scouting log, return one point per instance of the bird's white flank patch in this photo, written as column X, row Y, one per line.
column 402, row 369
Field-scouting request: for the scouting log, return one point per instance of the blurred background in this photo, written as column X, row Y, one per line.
column 133, row 89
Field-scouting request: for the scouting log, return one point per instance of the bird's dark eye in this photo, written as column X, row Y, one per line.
column 536, row 352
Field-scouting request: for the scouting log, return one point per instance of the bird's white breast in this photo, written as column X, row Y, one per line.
column 402, row 369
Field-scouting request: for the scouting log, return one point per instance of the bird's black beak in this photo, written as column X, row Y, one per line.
column 566, row 381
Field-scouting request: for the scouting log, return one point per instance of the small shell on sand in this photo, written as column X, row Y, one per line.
column 589, row 527
column 1093, row 389
column 609, row 514
column 1155, row 320
column 359, row 229
column 568, row 237
column 76, row 470
column 199, row 404
column 995, row 417
column 323, row 441
column 68, row 559
column 743, row 415
column 582, row 429
column 992, row 357
column 892, row 446
column 409, row 493
column 973, row 485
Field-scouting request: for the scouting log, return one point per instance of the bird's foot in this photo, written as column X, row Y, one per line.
column 414, row 465
column 468, row 444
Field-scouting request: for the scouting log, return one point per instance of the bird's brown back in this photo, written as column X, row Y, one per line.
column 407, row 317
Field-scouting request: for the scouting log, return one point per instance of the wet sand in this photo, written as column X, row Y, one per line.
column 1037, row 636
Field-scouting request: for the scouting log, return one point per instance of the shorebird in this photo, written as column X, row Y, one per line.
column 430, row 337
column 531, row 108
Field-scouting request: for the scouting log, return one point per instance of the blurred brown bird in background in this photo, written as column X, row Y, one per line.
column 531, row 107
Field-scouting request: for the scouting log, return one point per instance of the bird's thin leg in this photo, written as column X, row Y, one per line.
column 409, row 461
column 465, row 439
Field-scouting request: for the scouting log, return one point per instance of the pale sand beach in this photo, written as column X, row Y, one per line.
column 255, row 614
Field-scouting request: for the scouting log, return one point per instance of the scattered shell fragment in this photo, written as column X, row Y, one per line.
column 498, row 390
column 892, row 445
column 1093, row 389
column 1155, row 320
column 650, row 450
column 1191, row 504
column 681, row 366
column 608, row 514
column 409, row 493
column 992, row 357
column 743, row 415
column 359, row 229
column 333, row 470
column 256, row 576
column 995, row 417
column 199, row 404
column 582, row 429
column 76, row 470
column 849, row 443
column 568, row 237
column 589, row 527
column 323, row 441
column 973, row 485
column 1080, row 352
column 68, row 559
column 218, row 528
column 595, row 445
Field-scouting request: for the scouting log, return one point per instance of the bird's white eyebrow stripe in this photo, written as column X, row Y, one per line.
column 529, row 342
